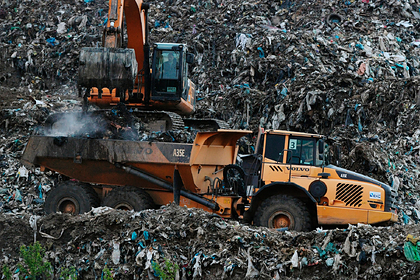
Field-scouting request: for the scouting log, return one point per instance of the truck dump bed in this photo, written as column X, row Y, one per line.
column 96, row 160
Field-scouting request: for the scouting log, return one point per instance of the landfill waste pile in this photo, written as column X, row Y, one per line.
column 345, row 69
column 203, row 246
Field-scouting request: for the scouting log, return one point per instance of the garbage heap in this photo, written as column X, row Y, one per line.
column 205, row 246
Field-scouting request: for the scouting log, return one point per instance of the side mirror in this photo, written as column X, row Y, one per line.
column 337, row 155
column 190, row 58
column 321, row 146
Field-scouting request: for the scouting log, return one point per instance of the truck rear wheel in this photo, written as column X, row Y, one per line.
column 283, row 211
column 128, row 198
column 71, row 197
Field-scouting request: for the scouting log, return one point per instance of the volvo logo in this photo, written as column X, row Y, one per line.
column 306, row 169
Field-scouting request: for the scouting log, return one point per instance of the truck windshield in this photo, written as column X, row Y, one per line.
column 301, row 151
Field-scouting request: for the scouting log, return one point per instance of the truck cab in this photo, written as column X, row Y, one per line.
column 291, row 184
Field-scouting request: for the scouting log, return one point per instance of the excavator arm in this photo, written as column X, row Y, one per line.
column 114, row 70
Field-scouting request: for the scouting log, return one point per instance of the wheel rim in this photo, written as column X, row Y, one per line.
column 68, row 205
column 281, row 219
column 123, row 206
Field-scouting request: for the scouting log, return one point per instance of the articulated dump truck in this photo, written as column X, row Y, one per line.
column 286, row 183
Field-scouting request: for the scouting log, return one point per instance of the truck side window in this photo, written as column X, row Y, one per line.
column 302, row 151
column 274, row 147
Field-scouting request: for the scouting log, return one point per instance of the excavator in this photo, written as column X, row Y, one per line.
column 113, row 74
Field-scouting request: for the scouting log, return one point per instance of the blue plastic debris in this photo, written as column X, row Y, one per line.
column 133, row 236
column 360, row 46
column 260, row 52
column 52, row 41
column 330, row 248
column 284, row 92
column 359, row 126
column 405, row 217
column 40, row 191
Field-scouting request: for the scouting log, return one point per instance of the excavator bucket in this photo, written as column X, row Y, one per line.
column 110, row 68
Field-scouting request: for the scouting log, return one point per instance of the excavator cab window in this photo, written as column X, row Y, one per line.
column 168, row 66
column 166, row 73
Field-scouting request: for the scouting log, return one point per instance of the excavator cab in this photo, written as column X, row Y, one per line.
column 169, row 79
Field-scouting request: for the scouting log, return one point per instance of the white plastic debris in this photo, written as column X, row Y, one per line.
column 23, row 172
column 251, row 270
column 295, row 259
column 329, row 262
column 61, row 28
column 32, row 222
column 116, row 253
column 404, row 24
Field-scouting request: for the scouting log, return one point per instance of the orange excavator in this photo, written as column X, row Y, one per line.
column 113, row 74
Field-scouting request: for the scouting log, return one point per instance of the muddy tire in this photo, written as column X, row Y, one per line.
column 71, row 197
column 128, row 198
column 283, row 211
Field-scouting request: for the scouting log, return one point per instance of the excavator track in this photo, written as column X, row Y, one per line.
column 206, row 124
column 160, row 120
column 77, row 123
column 64, row 123
column 176, row 122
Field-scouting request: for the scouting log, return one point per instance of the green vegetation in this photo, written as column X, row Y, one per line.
column 34, row 266
column 69, row 273
column 6, row 273
column 107, row 273
column 167, row 271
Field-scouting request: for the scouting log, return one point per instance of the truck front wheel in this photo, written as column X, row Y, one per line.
column 128, row 198
column 71, row 197
column 283, row 211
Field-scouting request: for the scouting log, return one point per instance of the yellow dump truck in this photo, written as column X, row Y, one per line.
column 286, row 183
